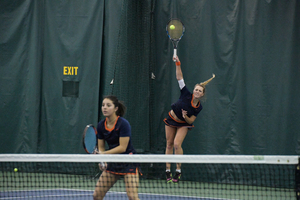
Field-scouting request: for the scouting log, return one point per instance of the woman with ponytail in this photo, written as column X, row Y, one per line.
column 116, row 132
column 181, row 118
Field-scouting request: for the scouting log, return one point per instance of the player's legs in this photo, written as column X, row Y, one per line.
column 132, row 184
column 105, row 182
column 180, row 135
column 170, row 135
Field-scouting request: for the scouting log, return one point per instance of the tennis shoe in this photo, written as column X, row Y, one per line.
column 176, row 177
column 169, row 177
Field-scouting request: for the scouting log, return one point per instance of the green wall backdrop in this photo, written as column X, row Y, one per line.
column 58, row 58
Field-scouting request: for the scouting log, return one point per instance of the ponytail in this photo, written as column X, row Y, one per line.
column 206, row 82
column 121, row 109
column 203, row 84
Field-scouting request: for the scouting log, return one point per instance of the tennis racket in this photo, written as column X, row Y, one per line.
column 89, row 140
column 175, row 30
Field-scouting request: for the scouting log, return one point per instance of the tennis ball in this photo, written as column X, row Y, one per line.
column 172, row 27
column 16, row 169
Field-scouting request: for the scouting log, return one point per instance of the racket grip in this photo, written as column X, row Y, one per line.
column 175, row 54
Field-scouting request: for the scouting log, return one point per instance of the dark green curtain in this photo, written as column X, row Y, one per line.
column 128, row 63
column 72, row 37
column 40, row 40
column 58, row 58
column 20, row 76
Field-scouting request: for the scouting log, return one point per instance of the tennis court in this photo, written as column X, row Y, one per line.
column 48, row 194
column 214, row 177
column 78, row 194
column 62, row 194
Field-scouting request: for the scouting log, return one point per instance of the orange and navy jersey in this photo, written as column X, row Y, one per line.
column 111, row 136
column 185, row 102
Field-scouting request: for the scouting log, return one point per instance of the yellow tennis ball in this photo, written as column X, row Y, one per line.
column 16, row 169
column 172, row 27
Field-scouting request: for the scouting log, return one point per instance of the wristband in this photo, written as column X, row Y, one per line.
column 178, row 63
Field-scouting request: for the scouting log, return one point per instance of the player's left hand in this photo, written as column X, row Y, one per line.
column 184, row 113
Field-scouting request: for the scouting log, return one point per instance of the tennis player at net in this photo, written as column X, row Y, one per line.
column 116, row 131
column 181, row 118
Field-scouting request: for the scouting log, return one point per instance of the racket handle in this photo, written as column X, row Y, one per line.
column 175, row 54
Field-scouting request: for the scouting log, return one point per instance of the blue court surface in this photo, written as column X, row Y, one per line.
column 63, row 194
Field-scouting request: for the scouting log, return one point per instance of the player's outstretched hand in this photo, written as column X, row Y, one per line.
column 176, row 59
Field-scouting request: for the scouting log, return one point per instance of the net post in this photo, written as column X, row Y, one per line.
column 297, row 179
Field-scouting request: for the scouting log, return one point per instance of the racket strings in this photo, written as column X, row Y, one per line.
column 90, row 139
column 177, row 32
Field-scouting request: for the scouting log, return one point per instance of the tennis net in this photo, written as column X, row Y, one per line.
column 209, row 177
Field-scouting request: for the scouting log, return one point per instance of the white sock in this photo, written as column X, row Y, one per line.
column 178, row 170
column 168, row 170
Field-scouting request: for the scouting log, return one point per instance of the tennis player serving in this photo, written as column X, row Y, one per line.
column 181, row 118
column 116, row 131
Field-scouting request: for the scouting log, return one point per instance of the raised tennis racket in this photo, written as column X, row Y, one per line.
column 175, row 30
column 90, row 140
